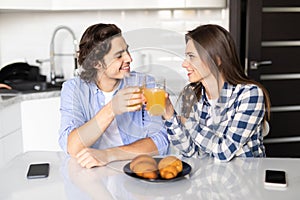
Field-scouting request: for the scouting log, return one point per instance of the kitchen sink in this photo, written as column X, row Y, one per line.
column 41, row 87
column 33, row 86
column 27, row 88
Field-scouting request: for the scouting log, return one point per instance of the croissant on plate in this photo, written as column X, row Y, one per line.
column 169, row 167
column 144, row 166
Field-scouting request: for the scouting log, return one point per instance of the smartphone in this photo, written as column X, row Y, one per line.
column 40, row 170
column 275, row 178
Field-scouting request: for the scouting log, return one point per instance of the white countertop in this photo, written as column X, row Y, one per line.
column 28, row 96
column 238, row 179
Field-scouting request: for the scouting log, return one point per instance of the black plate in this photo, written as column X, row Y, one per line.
column 186, row 169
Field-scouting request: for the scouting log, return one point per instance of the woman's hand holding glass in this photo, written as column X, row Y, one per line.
column 169, row 111
column 155, row 95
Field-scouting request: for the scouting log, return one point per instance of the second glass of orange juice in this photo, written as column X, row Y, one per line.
column 154, row 92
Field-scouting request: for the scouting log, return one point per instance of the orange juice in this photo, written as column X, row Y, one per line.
column 156, row 100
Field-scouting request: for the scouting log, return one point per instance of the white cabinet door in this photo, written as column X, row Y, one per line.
column 10, row 132
column 67, row 5
column 12, row 145
column 26, row 5
column 40, row 124
column 2, row 163
column 10, row 119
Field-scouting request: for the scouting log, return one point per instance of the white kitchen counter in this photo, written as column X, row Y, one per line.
column 238, row 179
column 29, row 122
column 28, row 96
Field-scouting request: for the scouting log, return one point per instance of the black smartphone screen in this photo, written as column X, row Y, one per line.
column 38, row 170
column 276, row 177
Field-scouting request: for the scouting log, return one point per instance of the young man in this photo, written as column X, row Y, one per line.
column 101, row 121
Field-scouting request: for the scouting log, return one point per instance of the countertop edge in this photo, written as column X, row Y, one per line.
column 29, row 96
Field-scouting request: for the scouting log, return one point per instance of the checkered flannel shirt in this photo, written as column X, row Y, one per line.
column 241, row 109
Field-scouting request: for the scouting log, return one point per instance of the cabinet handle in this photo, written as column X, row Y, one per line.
column 255, row 64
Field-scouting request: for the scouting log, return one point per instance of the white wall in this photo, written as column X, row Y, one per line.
column 26, row 36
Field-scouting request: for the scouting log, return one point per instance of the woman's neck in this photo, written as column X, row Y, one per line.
column 213, row 87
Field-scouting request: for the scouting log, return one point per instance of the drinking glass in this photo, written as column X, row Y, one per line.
column 154, row 92
column 134, row 79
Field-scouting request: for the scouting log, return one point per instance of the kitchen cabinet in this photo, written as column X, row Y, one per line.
column 25, row 5
column 40, row 124
column 29, row 122
column 11, row 146
column 205, row 4
column 10, row 133
column 57, row 5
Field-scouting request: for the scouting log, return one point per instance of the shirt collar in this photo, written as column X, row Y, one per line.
column 225, row 94
column 95, row 88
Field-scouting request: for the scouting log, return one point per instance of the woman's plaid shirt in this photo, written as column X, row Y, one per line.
column 241, row 109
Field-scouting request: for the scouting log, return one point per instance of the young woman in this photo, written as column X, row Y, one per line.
column 100, row 120
column 223, row 111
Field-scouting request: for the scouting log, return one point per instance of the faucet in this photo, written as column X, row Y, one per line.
column 53, row 75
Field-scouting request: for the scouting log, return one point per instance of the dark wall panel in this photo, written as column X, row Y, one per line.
column 280, row 60
column 285, row 3
column 291, row 149
column 285, row 25
column 283, row 92
column 284, row 124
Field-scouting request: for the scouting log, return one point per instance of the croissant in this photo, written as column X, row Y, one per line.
column 169, row 167
column 144, row 166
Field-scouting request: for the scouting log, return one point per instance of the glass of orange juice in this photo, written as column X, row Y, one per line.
column 134, row 79
column 154, row 92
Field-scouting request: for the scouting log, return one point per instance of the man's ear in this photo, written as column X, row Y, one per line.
column 99, row 65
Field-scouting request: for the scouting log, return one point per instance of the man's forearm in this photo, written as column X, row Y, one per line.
column 130, row 151
column 87, row 134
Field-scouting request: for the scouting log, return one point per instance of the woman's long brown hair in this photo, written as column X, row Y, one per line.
column 218, row 44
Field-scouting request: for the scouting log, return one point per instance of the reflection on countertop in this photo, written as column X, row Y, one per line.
column 241, row 178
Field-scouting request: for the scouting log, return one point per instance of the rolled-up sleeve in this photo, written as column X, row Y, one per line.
column 71, row 114
column 158, row 133
column 161, row 141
